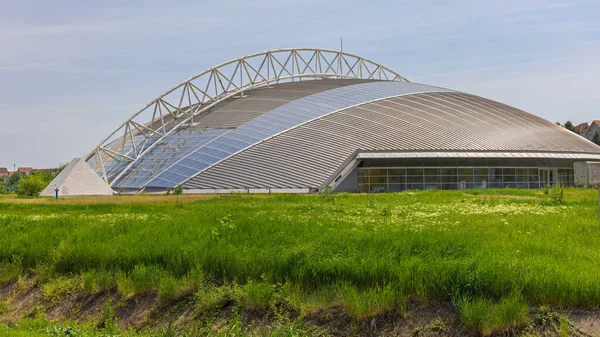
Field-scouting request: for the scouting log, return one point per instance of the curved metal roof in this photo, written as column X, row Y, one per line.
column 219, row 120
column 431, row 122
column 205, row 152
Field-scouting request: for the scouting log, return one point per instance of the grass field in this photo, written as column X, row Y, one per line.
column 493, row 254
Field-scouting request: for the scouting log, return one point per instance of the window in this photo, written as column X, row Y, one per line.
column 395, row 179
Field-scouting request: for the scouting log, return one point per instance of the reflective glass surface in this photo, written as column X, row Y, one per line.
column 169, row 151
column 391, row 179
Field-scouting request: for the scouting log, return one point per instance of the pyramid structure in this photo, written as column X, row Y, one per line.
column 77, row 179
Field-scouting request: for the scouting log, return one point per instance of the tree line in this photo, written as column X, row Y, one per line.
column 28, row 186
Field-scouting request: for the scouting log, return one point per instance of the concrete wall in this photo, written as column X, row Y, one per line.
column 349, row 182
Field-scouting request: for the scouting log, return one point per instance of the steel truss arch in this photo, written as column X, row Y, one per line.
column 190, row 99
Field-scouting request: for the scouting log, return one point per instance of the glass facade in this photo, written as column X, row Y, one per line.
column 396, row 179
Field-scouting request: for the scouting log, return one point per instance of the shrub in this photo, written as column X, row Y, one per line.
column 178, row 190
column 32, row 185
column 13, row 182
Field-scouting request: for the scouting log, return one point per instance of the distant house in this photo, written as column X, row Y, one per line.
column 25, row 171
column 595, row 126
column 4, row 175
column 581, row 129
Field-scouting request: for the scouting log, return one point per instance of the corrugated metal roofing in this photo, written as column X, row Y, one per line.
column 431, row 154
column 310, row 153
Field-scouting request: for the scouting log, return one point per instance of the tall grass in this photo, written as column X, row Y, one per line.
column 427, row 244
column 372, row 302
column 485, row 317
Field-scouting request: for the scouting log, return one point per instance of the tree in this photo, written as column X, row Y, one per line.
column 32, row 185
column 13, row 181
column 569, row 126
column 596, row 138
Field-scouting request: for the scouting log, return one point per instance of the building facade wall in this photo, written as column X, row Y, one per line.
column 451, row 174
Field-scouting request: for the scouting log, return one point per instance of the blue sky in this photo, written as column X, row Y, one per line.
column 71, row 71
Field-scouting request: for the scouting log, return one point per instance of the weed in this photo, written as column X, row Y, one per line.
column 328, row 194
column 58, row 331
column 258, row 295
column 211, row 299
column 438, row 326
column 178, row 190
column 178, row 203
column 226, row 225
column 3, row 307
column 386, row 212
column 557, row 194
column 109, row 320
column 564, row 328
column 545, row 316
column 55, row 289
column 417, row 332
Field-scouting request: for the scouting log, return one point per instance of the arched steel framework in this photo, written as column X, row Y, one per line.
column 190, row 99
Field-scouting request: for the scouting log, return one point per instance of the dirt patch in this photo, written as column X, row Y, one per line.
column 586, row 321
column 8, row 290
column 134, row 311
column 422, row 319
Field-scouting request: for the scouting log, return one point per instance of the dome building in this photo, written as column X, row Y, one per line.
column 300, row 120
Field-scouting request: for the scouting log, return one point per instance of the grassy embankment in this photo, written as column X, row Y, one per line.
column 492, row 255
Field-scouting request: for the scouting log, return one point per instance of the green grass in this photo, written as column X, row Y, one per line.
column 367, row 252
column 484, row 317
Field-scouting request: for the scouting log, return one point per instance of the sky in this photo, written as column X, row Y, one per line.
column 72, row 71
